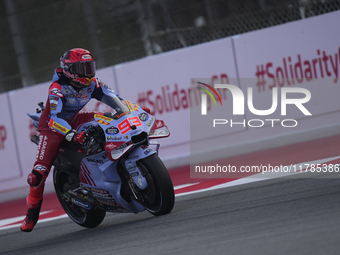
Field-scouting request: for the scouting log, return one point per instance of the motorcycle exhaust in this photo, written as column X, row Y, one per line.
column 81, row 198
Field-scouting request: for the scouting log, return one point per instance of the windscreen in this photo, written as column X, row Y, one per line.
column 115, row 103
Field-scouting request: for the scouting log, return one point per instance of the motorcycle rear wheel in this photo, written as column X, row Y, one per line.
column 63, row 180
column 159, row 197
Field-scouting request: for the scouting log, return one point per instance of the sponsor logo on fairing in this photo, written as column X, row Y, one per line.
column 121, row 115
column 103, row 122
column 99, row 191
column 102, row 117
column 114, row 138
column 80, row 203
column 111, row 146
column 146, row 152
column 97, row 161
column 143, row 116
column 112, row 130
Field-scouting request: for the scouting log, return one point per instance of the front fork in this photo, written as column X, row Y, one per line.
column 130, row 163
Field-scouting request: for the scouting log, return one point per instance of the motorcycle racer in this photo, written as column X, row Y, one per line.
column 73, row 85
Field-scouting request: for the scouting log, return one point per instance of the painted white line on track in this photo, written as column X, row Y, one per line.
column 15, row 219
column 185, row 185
column 40, row 221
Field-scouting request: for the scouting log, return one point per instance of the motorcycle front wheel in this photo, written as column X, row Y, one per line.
column 159, row 196
column 63, row 181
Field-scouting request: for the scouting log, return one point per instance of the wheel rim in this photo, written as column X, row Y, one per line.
column 65, row 181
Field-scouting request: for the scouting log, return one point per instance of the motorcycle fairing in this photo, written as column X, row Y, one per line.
column 138, row 153
column 98, row 172
column 126, row 131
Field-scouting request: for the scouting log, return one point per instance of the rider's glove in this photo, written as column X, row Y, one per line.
column 73, row 136
column 146, row 109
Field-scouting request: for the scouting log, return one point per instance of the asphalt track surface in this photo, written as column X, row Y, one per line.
column 278, row 216
column 274, row 216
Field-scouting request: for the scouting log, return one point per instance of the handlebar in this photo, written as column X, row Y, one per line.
column 96, row 140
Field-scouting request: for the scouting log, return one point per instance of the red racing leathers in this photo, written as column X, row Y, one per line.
column 60, row 116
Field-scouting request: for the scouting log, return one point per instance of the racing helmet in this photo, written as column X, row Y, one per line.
column 78, row 66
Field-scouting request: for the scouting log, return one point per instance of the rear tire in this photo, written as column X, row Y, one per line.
column 63, row 180
column 159, row 197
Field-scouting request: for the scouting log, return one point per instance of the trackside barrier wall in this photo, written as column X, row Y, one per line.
column 307, row 50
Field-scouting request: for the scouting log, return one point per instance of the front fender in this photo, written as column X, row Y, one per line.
column 138, row 153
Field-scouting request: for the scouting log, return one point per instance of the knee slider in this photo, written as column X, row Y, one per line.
column 37, row 176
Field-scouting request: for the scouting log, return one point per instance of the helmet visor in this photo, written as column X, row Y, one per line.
column 87, row 68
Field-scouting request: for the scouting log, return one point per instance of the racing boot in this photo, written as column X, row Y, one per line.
column 32, row 217
column 36, row 180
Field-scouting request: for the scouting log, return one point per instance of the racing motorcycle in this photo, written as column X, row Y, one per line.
column 116, row 170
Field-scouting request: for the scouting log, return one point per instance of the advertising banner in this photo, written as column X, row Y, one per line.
column 8, row 153
column 303, row 54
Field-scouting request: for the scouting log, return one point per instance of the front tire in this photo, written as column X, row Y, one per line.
column 63, row 180
column 159, row 197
